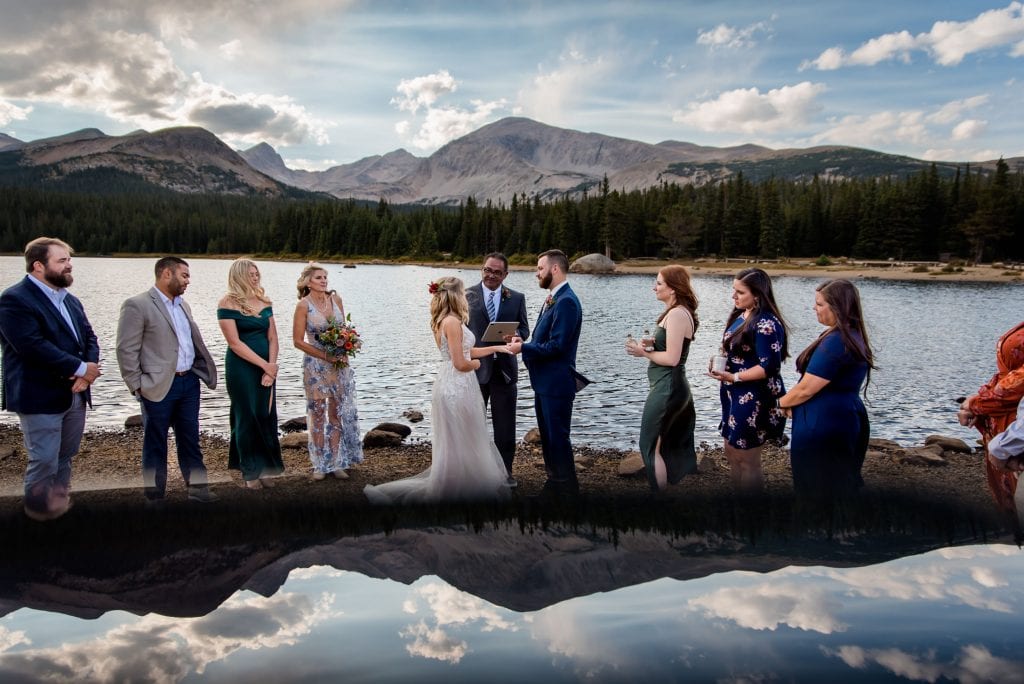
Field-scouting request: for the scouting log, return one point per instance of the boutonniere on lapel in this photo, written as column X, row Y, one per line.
column 505, row 294
column 549, row 301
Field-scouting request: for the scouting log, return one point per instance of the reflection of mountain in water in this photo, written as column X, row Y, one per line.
column 515, row 557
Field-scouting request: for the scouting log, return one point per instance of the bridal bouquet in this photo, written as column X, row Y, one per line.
column 340, row 340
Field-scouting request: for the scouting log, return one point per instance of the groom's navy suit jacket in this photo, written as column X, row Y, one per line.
column 40, row 353
column 551, row 356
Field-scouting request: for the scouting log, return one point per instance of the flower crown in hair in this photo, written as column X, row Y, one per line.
column 433, row 287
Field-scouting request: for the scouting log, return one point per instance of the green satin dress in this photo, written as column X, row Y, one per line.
column 668, row 414
column 255, row 448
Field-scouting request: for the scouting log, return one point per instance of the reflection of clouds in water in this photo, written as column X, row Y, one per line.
column 164, row 649
column 453, row 607
column 974, row 664
column 433, row 643
column 766, row 606
column 9, row 639
column 937, row 580
column 314, row 572
column 447, row 606
column 585, row 639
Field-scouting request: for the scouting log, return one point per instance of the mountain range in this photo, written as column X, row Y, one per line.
column 513, row 156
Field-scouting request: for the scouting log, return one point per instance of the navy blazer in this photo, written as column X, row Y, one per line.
column 512, row 308
column 551, row 356
column 40, row 354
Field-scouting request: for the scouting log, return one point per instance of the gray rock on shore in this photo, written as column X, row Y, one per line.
column 593, row 263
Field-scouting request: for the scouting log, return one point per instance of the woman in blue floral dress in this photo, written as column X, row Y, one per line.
column 331, row 416
column 755, row 346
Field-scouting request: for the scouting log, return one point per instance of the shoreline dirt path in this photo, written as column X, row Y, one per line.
column 108, row 471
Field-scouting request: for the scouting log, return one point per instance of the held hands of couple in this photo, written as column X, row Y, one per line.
column 514, row 344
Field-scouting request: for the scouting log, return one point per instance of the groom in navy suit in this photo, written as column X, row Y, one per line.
column 50, row 359
column 551, row 360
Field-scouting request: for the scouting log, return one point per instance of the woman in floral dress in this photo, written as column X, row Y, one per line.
column 755, row 346
column 328, row 381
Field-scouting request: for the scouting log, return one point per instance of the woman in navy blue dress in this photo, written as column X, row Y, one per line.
column 755, row 347
column 830, row 424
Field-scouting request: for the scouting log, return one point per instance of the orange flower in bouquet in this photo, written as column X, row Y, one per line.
column 340, row 340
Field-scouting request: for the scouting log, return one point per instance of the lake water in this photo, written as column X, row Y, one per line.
column 552, row 605
column 934, row 341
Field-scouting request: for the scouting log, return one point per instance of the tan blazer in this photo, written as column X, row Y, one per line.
column 147, row 347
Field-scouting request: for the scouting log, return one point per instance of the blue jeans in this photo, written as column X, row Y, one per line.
column 178, row 410
column 51, row 440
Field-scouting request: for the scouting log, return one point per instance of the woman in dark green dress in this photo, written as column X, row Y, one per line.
column 666, row 430
column 250, row 370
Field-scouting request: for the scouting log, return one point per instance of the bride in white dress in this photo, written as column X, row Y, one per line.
column 465, row 464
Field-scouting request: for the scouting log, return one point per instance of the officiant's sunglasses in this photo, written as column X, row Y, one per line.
column 491, row 271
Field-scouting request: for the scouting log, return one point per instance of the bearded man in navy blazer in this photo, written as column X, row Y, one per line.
column 490, row 300
column 50, row 359
column 551, row 360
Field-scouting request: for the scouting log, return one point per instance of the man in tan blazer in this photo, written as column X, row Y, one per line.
column 162, row 358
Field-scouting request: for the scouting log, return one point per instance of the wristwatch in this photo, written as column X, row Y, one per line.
column 736, row 377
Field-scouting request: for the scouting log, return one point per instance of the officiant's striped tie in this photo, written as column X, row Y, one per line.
column 491, row 312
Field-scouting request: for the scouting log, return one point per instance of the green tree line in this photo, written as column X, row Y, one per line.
column 972, row 215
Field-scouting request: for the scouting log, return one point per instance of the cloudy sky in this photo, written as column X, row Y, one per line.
column 328, row 82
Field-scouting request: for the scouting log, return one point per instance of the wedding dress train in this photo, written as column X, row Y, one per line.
column 465, row 464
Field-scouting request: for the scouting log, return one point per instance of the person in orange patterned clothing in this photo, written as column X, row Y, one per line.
column 994, row 408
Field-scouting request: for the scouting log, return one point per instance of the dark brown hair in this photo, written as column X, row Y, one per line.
column 39, row 250
column 557, row 256
column 844, row 300
column 760, row 286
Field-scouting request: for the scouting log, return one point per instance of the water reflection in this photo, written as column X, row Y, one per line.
column 948, row 614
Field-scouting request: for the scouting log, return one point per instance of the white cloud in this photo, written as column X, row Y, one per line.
column 725, row 36
column 158, row 648
column 749, row 111
column 423, row 91
column 552, row 96
column 974, row 664
column 448, row 606
column 948, row 42
column 951, row 111
column 971, row 128
column 433, row 643
column 231, row 50
column 133, row 78
column 766, row 606
column 10, row 638
column 249, row 118
column 453, row 607
column 931, row 130
column 10, row 112
column 438, row 124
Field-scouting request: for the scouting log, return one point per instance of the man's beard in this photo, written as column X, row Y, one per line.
column 58, row 279
column 545, row 282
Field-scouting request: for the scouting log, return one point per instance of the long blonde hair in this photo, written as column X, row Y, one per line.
column 240, row 290
column 449, row 299
column 303, row 284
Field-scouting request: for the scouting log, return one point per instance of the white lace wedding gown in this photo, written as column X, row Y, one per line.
column 465, row 464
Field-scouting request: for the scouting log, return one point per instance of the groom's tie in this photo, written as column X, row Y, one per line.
column 491, row 311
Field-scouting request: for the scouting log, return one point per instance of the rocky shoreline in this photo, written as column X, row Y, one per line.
column 107, row 469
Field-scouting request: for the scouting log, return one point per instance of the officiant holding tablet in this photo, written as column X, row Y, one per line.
column 491, row 302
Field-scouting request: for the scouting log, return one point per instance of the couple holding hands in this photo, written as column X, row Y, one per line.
column 466, row 464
